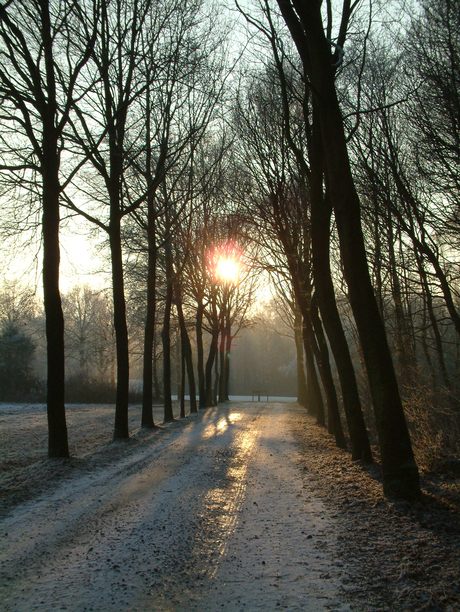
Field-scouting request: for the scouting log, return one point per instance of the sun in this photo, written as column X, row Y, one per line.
column 227, row 269
column 225, row 263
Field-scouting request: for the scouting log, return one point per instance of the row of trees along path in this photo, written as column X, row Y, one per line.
column 122, row 109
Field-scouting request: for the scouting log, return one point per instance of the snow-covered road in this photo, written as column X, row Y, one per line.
column 214, row 514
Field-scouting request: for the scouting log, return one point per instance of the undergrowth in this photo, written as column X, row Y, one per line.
column 433, row 417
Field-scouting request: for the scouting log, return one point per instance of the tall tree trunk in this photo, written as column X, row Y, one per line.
column 200, row 352
column 301, row 381
column 321, row 367
column 302, row 291
column 186, row 352
column 321, row 211
column 222, row 359
column 215, row 389
column 409, row 310
column 424, row 343
column 149, row 366
column 434, row 325
column 400, row 473
column 57, row 428
column 156, row 379
column 359, row 440
column 378, row 284
column 149, row 333
column 166, row 336
column 213, row 350
column 334, row 422
column 121, row 429
column 228, row 347
column 400, row 332
column 181, row 384
column 315, row 404
column 209, row 367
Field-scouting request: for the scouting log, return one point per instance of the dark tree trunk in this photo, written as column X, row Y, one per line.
column 228, row 347
column 299, row 273
column 315, row 404
column 149, row 334
column 434, row 326
column 222, row 360
column 200, row 353
column 149, row 364
column 424, row 343
column 378, row 284
column 322, row 368
column 209, row 366
column 121, row 429
column 334, row 422
column 166, row 338
column 182, row 381
column 359, row 440
column 301, row 381
column 186, row 353
column 113, row 184
column 215, row 389
column 321, row 211
column 213, row 350
column 156, row 379
column 405, row 360
column 50, row 164
column 57, row 428
column 400, row 473
column 410, row 332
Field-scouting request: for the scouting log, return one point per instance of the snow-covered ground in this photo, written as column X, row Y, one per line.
column 249, row 506
column 212, row 513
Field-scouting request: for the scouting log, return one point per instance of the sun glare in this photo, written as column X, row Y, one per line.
column 225, row 263
column 227, row 269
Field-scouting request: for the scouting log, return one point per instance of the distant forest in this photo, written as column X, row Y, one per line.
column 263, row 356
column 212, row 151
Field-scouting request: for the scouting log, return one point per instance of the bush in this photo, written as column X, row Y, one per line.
column 83, row 390
column 17, row 381
column 434, row 424
column 80, row 389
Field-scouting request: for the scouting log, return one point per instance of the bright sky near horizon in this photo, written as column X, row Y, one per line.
column 80, row 263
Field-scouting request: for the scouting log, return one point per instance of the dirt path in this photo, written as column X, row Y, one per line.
column 213, row 515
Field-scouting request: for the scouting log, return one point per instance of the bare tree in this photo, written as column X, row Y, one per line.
column 18, row 304
column 88, row 333
column 286, row 210
column 42, row 59
column 107, row 126
column 312, row 39
column 432, row 64
column 180, row 108
column 402, row 209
